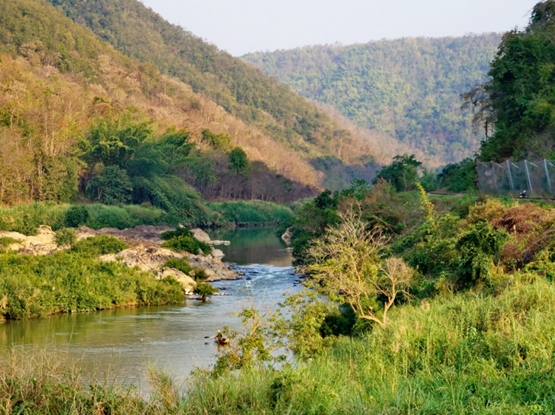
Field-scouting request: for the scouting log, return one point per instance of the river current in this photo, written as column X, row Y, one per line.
column 121, row 345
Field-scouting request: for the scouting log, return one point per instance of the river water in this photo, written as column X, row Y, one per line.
column 121, row 345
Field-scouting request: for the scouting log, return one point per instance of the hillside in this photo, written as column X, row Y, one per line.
column 60, row 82
column 241, row 90
column 408, row 89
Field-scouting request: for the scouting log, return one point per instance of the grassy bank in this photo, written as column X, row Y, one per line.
column 75, row 281
column 462, row 354
column 27, row 218
column 254, row 212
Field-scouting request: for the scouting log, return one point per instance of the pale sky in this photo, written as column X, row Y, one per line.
column 242, row 26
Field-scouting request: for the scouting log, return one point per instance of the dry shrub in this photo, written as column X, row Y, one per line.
column 522, row 219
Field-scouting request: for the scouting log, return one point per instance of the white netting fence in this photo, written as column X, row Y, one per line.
column 511, row 178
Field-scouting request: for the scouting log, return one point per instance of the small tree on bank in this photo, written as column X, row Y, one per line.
column 345, row 265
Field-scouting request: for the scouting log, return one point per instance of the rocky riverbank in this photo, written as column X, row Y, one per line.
column 144, row 252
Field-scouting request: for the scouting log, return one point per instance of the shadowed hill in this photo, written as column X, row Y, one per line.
column 240, row 89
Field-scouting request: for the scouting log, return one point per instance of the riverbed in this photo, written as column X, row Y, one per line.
column 121, row 345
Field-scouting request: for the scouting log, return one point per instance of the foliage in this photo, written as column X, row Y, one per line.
column 217, row 141
column 99, row 245
column 253, row 211
column 520, row 94
column 205, row 290
column 406, row 88
column 66, row 236
column 345, row 264
column 111, row 186
column 188, row 244
column 181, row 264
column 402, row 173
column 34, row 286
column 238, row 161
column 459, row 177
column 76, row 215
column 5, row 241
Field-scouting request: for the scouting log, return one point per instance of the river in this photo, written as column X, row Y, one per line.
column 121, row 345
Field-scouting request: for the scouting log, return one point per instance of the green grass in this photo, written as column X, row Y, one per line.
column 27, row 218
column 67, row 282
column 254, row 211
column 468, row 353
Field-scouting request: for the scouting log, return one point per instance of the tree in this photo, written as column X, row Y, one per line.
column 346, row 266
column 402, row 173
column 111, row 186
column 238, row 161
column 205, row 290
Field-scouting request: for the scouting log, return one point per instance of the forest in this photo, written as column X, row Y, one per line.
column 408, row 89
column 241, row 90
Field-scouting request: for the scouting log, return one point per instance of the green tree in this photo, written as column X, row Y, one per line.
column 402, row 173
column 111, row 186
column 238, row 161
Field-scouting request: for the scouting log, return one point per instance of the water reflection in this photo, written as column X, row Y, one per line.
column 121, row 344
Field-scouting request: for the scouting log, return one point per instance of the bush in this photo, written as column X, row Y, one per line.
column 205, row 290
column 5, row 241
column 71, row 281
column 180, row 264
column 99, row 245
column 187, row 244
column 76, row 216
column 66, row 236
column 254, row 211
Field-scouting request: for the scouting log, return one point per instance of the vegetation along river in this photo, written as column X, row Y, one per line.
column 122, row 344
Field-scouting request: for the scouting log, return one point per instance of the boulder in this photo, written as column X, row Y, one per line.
column 214, row 267
column 217, row 253
column 201, row 236
column 286, row 237
column 187, row 282
column 43, row 243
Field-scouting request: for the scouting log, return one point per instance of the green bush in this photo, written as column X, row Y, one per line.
column 72, row 281
column 99, row 245
column 176, row 233
column 187, row 244
column 76, row 216
column 6, row 241
column 181, row 264
column 27, row 218
column 205, row 290
column 66, row 236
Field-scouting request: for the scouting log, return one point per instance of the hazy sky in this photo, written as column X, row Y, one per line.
column 242, row 26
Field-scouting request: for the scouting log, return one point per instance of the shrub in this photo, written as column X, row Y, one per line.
column 187, row 244
column 181, row 264
column 175, row 233
column 66, row 236
column 76, row 216
column 6, row 241
column 99, row 245
column 205, row 290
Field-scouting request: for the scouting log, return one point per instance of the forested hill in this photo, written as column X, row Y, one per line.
column 407, row 88
column 239, row 88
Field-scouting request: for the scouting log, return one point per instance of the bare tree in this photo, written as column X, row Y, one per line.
column 346, row 265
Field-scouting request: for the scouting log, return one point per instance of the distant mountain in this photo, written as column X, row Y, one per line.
column 240, row 89
column 408, row 89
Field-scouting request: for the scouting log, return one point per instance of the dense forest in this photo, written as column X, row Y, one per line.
column 408, row 89
column 241, row 90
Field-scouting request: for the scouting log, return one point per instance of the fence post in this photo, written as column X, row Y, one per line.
column 547, row 176
column 510, row 176
column 528, row 177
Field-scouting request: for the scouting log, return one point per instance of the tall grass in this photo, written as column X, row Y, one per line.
column 461, row 354
column 67, row 282
column 253, row 212
column 27, row 218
